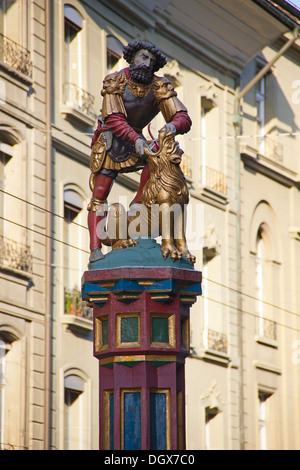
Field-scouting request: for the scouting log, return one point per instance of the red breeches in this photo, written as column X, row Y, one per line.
column 102, row 187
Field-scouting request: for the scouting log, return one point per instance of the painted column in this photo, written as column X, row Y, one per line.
column 141, row 308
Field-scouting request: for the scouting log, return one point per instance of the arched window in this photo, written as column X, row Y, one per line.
column 265, row 279
column 2, row 389
column 211, row 163
column 73, row 205
column 213, row 429
column 114, row 49
column 12, row 392
column 9, row 140
column 259, row 276
column 73, row 25
column 76, row 418
column 266, row 253
column 212, row 402
column 6, row 153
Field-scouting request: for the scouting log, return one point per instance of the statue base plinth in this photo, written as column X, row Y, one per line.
column 141, row 308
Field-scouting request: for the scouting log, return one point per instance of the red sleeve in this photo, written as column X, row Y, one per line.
column 96, row 133
column 182, row 122
column 119, row 126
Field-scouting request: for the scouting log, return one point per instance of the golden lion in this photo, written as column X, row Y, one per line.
column 162, row 211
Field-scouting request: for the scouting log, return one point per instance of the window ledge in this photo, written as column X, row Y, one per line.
column 73, row 322
column 21, row 76
column 71, row 113
column 214, row 194
column 269, row 167
column 215, row 357
column 273, row 343
column 210, row 195
column 16, row 272
column 267, row 367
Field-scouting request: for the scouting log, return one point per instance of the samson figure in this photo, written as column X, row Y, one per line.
column 131, row 99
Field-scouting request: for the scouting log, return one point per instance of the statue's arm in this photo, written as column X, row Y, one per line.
column 171, row 107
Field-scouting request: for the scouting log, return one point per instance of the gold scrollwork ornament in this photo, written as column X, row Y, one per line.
column 97, row 155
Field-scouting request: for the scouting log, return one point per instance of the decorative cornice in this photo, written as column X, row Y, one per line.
column 270, row 169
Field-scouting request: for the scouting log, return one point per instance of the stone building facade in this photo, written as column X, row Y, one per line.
column 241, row 161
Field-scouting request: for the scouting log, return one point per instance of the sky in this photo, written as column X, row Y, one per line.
column 296, row 3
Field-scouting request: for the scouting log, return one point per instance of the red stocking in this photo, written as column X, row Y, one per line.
column 102, row 187
column 144, row 178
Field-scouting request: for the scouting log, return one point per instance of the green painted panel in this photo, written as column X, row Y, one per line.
column 129, row 330
column 104, row 325
column 160, row 330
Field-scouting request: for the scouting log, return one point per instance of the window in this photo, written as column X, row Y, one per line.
column 12, row 393
column 73, row 205
column 2, row 389
column 205, row 301
column 73, row 92
column 203, row 142
column 260, row 96
column 74, row 254
column 114, row 50
column 263, row 419
column 14, row 249
column 266, row 327
column 259, row 280
column 6, row 153
column 211, row 161
column 213, row 429
column 75, row 419
column 265, row 252
column 214, row 335
column 73, row 27
column 13, row 36
column 13, row 20
column 77, row 101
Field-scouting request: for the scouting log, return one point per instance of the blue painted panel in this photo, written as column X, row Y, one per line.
column 111, row 420
column 132, row 421
column 158, row 421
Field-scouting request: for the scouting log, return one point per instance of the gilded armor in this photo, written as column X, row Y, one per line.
column 98, row 155
column 121, row 95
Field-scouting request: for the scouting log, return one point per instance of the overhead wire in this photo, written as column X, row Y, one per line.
column 203, row 296
column 221, row 137
column 252, row 297
column 43, row 234
column 250, row 313
column 85, row 251
column 228, row 137
column 40, row 208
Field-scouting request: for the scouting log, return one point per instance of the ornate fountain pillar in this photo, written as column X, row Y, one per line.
column 141, row 306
